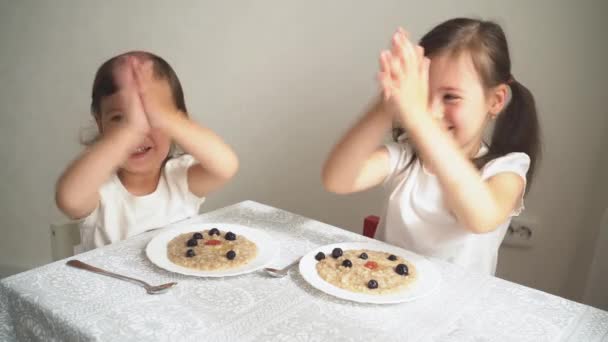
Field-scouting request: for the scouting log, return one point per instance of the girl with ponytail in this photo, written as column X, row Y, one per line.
column 450, row 195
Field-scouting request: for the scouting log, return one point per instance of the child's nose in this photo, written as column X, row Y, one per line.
column 437, row 110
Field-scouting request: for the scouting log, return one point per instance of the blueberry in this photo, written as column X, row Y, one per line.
column 231, row 255
column 197, row 236
column 320, row 256
column 190, row 253
column 192, row 242
column 392, row 257
column 347, row 263
column 372, row 284
column 402, row 269
column 230, row 236
column 363, row 256
column 336, row 253
column 214, row 231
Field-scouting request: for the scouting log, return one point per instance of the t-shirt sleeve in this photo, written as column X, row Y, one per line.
column 87, row 231
column 515, row 162
column 176, row 171
column 87, row 225
column 398, row 157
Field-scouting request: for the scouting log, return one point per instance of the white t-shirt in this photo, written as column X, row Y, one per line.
column 417, row 219
column 120, row 214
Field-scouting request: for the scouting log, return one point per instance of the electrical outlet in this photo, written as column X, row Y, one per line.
column 521, row 233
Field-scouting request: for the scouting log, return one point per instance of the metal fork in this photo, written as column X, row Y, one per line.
column 158, row 289
column 280, row 273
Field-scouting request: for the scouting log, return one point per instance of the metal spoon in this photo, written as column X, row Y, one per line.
column 282, row 272
column 149, row 288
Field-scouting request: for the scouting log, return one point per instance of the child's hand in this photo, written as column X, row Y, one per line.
column 134, row 111
column 403, row 77
column 158, row 108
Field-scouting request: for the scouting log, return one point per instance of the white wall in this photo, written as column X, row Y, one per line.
column 281, row 80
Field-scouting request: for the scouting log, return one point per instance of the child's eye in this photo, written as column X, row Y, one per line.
column 116, row 117
column 450, row 97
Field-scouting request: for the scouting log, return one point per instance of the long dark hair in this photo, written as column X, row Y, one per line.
column 516, row 128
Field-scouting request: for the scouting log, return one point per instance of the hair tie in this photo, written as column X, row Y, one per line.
column 511, row 80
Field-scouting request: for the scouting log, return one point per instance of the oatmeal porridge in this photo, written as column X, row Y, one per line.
column 211, row 250
column 365, row 271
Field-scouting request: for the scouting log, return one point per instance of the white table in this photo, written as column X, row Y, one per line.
column 59, row 303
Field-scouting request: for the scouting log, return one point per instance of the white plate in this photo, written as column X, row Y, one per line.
column 267, row 249
column 427, row 279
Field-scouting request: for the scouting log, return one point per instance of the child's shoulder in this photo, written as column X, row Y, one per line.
column 178, row 161
column 517, row 162
column 399, row 152
column 177, row 166
column 398, row 146
column 401, row 156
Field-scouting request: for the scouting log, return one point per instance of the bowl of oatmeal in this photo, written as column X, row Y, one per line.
column 211, row 249
column 369, row 272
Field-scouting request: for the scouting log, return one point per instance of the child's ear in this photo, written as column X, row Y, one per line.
column 499, row 99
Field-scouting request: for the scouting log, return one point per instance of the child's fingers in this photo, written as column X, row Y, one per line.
column 123, row 73
column 138, row 79
column 396, row 70
column 419, row 56
column 138, row 74
column 142, row 82
column 384, row 61
column 147, row 68
column 426, row 65
column 385, row 77
column 143, row 76
column 143, row 69
column 403, row 35
column 397, row 48
column 411, row 59
column 403, row 32
column 385, row 84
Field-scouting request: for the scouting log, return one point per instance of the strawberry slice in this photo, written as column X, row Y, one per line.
column 372, row 265
column 213, row 242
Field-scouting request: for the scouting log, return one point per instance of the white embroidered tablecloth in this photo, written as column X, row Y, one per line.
column 59, row 303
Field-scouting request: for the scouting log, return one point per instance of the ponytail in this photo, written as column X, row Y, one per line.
column 516, row 130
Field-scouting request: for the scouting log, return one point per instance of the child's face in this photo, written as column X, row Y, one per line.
column 456, row 92
column 152, row 151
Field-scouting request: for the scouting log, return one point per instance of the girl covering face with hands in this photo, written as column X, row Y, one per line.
column 130, row 180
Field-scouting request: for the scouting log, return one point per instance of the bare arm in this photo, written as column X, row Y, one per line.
column 479, row 205
column 77, row 193
column 357, row 162
column 217, row 161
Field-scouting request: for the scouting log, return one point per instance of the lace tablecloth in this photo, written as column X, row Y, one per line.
column 59, row 303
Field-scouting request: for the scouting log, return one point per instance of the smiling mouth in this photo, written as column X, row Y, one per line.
column 141, row 151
